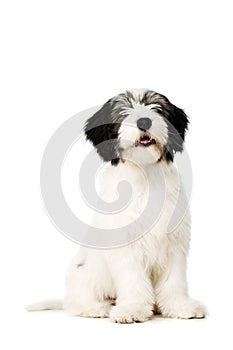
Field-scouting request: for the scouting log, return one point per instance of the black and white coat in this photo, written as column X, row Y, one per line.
column 137, row 134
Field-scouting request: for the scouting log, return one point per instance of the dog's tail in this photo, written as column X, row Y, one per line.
column 46, row 305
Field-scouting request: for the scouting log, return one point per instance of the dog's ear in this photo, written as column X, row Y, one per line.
column 177, row 127
column 102, row 132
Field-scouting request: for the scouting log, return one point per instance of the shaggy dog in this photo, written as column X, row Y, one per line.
column 137, row 134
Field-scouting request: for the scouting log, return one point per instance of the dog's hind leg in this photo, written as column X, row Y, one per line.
column 88, row 289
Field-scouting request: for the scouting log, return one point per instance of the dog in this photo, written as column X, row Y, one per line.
column 137, row 134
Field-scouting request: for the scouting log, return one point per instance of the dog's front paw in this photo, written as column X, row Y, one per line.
column 130, row 314
column 189, row 308
column 192, row 309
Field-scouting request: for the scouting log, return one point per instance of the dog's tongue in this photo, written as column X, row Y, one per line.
column 144, row 140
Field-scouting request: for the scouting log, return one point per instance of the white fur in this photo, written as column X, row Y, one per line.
column 150, row 271
column 146, row 273
column 129, row 283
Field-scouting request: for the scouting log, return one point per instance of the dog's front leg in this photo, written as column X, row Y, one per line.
column 135, row 295
column 171, row 291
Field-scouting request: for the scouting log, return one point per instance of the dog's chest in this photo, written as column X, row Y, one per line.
column 150, row 206
column 144, row 196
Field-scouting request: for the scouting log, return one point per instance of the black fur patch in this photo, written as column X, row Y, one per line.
column 102, row 131
column 177, row 127
column 79, row 265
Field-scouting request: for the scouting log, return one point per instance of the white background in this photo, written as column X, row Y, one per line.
column 60, row 57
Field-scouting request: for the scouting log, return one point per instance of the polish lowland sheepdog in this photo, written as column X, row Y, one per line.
column 137, row 134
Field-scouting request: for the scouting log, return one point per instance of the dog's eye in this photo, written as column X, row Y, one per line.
column 157, row 109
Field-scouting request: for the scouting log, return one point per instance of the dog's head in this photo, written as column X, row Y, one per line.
column 138, row 125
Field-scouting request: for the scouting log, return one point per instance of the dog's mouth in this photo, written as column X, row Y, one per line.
column 145, row 140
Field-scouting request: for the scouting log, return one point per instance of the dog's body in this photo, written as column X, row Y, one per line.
column 148, row 274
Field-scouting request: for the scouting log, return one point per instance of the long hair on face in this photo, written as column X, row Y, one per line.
column 102, row 129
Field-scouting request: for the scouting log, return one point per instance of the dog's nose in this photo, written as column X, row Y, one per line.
column 144, row 124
